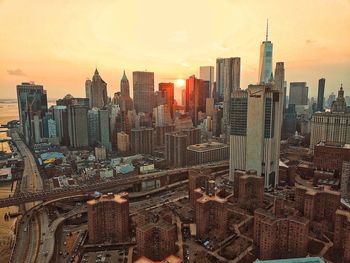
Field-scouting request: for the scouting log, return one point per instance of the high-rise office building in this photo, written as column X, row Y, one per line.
column 206, row 73
column 78, row 126
column 143, row 87
column 298, row 93
column 96, row 91
column 194, row 89
column 32, row 101
column 320, row 94
column 125, row 102
column 60, row 114
column 167, row 90
column 98, row 127
column 108, row 218
column 228, row 74
column 255, row 131
column 265, row 63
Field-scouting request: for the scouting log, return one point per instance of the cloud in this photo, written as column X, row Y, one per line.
column 16, row 72
column 310, row 41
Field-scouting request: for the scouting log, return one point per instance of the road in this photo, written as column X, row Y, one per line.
column 29, row 231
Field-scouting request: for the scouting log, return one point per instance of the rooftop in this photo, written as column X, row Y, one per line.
column 206, row 146
column 119, row 198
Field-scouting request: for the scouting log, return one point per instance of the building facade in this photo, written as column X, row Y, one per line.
column 207, row 152
column 143, row 86
column 141, row 141
column 255, row 131
column 320, row 94
column 32, row 106
column 96, row 91
column 108, row 218
column 78, row 126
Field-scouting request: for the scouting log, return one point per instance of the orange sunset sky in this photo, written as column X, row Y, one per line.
column 58, row 43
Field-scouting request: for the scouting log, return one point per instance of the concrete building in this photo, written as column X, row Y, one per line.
column 320, row 94
column 249, row 187
column 32, row 101
column 331, row 126
column 108, row 218
column 141, row 141
column 209, row 107
column 167, row 90
column 123, row 144
column 330, row 156
column 339, row 105
column 156, row 240
column 100, row 153
column 265, row 62
column 256, row 131
column 78, row 126
column 207, row 152
column 298, row 93
column 98, row 127
column 211, row 213
column 277, row 235
column 341, row 242
column 197, row 178
column 345, row 181
column 143, row 86
column 96, row 91
column 162, row 115
column 317, row 204
column 206, row 73
column 228, row 77
column 175, row 149
column 160, row 132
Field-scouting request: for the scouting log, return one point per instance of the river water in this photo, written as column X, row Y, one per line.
column 8, row 111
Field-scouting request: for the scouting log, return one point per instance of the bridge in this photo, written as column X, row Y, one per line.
column 121, row 181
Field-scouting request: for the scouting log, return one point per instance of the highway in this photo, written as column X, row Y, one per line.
column 29, row 228
column 122, row 180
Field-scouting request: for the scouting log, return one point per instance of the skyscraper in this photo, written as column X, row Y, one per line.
column 167, row 90
column 194, row 88
column 96, row 91
column 32, row 101
column 265, row 64
column 143, row 86
column 61, row 117
column 228, row 75
column 298, row 93
column 207, row 73
column 78, row 126
column 255, row 131
column 126, row 102
column 320, row 94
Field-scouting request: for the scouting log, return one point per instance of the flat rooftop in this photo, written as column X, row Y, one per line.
column 202, row 147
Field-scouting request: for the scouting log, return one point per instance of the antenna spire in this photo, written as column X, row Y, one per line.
column 267, row 30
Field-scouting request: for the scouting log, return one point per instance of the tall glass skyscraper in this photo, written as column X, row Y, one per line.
column 265, row 65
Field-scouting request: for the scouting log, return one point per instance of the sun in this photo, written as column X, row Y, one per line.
column 180, row 83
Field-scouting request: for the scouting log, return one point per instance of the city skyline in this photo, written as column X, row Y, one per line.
column 32, row 52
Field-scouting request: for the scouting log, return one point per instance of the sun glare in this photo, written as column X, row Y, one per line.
column 180, row 83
